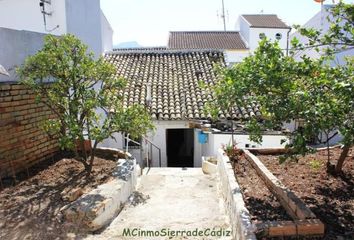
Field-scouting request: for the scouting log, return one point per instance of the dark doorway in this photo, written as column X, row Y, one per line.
column 180, row 147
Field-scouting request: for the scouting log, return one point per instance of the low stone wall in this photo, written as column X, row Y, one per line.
column 22, row 142
column 294, row 206
column 242, row 227
column 96, row 209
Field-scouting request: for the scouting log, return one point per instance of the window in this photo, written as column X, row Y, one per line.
column 278, row 36
column 262, row 35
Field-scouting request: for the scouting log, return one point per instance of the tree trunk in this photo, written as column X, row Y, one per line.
column 92, row 157
column 342, row 157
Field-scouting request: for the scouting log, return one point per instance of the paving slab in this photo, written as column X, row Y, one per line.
column 170, row 200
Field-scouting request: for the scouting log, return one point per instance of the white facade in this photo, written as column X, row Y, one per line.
column 320, row 22
column 251, row 34
column 82, row 18
column 217, row 140
column 210, row 148
column 235, row 56
column 106, row 34
column 26, row 15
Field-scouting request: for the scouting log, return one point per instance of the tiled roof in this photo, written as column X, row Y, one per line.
column 206, row 40
column 174, row 77
column 265, row 21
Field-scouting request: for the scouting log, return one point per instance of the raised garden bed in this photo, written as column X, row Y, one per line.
column 30, row 209
column 275, row 210
column 262, row 204
column 330, row 198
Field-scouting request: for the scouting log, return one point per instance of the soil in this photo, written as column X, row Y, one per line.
column 30, row 209
column 331, row 198
column 261, row 203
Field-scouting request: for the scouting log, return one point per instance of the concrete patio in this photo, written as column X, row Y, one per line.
column 175, row 200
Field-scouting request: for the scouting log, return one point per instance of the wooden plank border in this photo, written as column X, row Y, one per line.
column 291, row 228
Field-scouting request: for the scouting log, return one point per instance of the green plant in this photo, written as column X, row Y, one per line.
column 286, row 90
column 84, row 94
column 233, row 152
column 315, row 164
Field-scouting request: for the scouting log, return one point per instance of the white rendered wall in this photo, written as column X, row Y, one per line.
column 106, row 33
column 235, row 56
column 26, row 15
column 270, row 34
column 216, row 141
column 84, row 21
column 244, row 27
column 159, row 138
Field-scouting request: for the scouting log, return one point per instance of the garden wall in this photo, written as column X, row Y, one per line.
column 22, row 142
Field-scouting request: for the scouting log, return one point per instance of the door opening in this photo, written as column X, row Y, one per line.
column 180, row 147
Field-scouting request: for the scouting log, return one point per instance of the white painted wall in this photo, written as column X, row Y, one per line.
column 320, row 22
column 84, row 21
column 251, row 34
column 270, row 34
column 26, row 15
column 83, row 18
column 244, row 27
column 106, row 33
column 235, row 56
column 216, row 141
column 159, row 137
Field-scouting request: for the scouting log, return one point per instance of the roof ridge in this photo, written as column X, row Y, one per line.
column 164, row 51
column 208, row 31
column 260, row 14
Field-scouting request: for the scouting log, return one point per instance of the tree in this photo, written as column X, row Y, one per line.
column 287, row 90
column 310, row 90
column 83, row 93
column 339, row 37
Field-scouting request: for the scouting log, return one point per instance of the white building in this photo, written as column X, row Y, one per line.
column 254, row 27
column 321, row 23
column 83, row 18
column 236, row 45
column 172, row 79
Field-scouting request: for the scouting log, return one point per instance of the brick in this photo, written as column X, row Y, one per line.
column 5, row 87
column 15, row 93
column 17, row 87
column 5, row 115
column 24, row 92
column 22, row 102
column 5, row 99
column 5, row 104
column 31, row 110
column 17, row 97
column 310, row 227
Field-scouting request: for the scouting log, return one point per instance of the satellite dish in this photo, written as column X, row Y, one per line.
column 3, row 71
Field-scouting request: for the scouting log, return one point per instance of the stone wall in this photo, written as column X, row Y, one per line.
column 22, row 142
column 242, row 228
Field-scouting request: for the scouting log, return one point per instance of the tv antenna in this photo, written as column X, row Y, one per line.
column 46, row 14
column 223, row 15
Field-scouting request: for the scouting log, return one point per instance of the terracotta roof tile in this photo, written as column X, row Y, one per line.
column 174, row 77
column 265, row 21
column 206, row 40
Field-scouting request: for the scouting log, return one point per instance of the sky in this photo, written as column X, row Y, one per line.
column 149, row 21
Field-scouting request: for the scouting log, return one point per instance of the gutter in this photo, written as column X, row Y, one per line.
column 287, row 42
